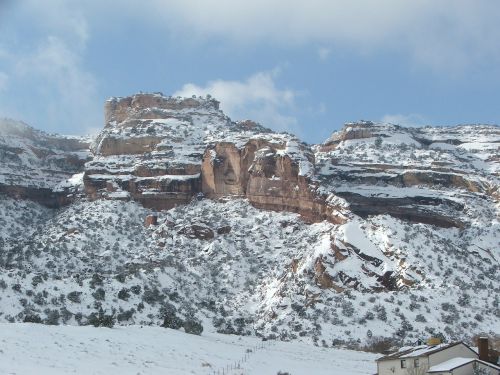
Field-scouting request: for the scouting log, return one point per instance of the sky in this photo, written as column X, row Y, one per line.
column 305, row 67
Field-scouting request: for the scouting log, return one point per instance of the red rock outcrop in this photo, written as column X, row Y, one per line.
column 148, row 106
column 360, row 130
column 262, row 172
column 151, row 220
column 150, row 149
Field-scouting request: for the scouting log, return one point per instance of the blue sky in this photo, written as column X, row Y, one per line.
column 303, row 67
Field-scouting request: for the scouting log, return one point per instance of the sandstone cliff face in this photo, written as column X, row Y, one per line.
column 151, row 149
column 270, row 178
column 137, row 145
column 149, row 106
column 427, row 210
column 361, row 130
column 225, row 170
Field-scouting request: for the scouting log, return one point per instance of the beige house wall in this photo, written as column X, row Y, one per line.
column 386, row 367
column 464, row 370
column 393, row 367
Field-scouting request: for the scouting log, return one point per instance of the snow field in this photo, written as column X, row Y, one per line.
column 135, row 350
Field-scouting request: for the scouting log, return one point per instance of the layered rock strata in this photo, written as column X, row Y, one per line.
column 163, row 151
column 265, row 174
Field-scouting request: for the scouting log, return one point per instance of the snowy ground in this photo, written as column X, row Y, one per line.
column 40, row 349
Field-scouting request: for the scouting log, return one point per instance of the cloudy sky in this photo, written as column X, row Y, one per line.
column 301, row 66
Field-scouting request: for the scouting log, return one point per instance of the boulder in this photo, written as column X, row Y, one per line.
column 224, row 230
column 151, row 220
column 199, row 231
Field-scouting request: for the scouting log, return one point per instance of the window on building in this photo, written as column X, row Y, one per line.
column 403, row 363
column 417, row 362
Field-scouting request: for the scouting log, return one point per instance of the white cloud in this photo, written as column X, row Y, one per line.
column 447, row 34
column 52, row 66
column 4, row 80
column 410, row 120
column 257, row 98
column 56, row 71
column 58, row 17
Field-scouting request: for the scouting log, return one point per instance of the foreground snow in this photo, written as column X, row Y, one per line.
column 40, row 349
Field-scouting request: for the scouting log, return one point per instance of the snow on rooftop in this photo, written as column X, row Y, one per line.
column 418, row 351
column 424, row 350
column 451, row 364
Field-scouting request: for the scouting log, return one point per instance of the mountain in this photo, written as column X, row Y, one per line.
column 39, row 166
column 176, row 215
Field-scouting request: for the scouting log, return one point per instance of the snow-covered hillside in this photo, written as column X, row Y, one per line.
column 241, row 270
column 381, row 234
column 36, row 349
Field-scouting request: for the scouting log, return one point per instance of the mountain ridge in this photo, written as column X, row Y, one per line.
column 380, row 231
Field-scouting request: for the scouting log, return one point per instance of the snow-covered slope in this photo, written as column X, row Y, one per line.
column 241, row 270
column 36, row 349
column 399, row 236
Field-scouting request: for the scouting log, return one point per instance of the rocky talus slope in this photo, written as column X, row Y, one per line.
column 380, row 231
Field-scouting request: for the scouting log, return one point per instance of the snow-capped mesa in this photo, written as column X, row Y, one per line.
column 177, row 216
column 164, row 151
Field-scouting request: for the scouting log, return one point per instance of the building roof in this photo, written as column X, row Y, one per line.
column 454, row 363
column 420, row 351
column 451, row 364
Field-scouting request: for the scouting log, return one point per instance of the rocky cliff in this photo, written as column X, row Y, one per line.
column 276, row 174
column 409, row 173
column 163, row 151
column 39, row 166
